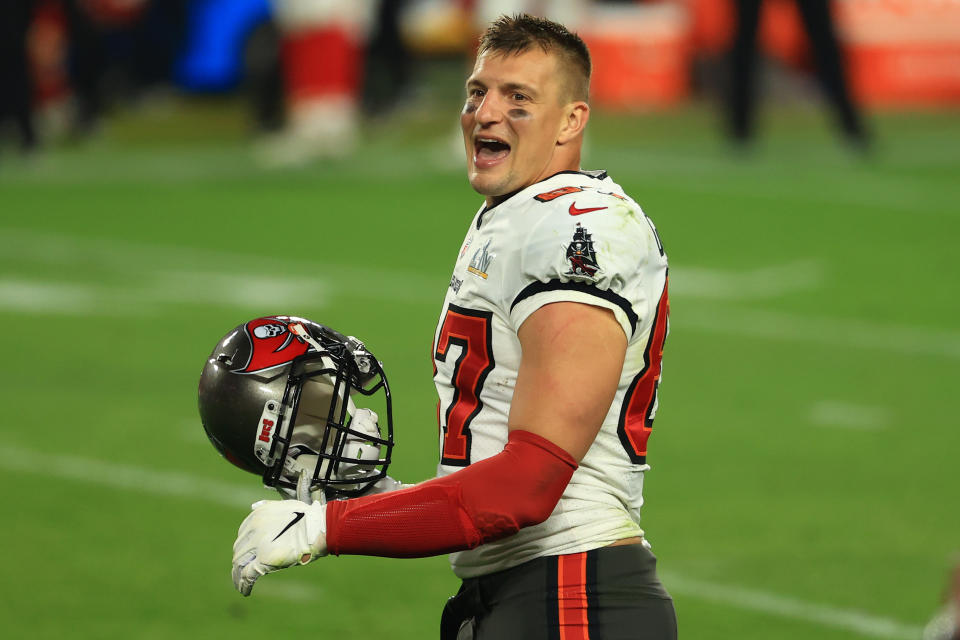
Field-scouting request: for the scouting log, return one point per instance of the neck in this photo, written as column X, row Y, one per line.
column 569, row 161
column 492, row 201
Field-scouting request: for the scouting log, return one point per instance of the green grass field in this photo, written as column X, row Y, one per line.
column 805, row 478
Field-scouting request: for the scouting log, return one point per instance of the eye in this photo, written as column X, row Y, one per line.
column 518, row 97
column 475, row 92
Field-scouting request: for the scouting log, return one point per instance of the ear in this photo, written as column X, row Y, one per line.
column 575, row 121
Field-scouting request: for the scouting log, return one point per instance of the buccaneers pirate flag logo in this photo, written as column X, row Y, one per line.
column 272, row 343
column 581, row 255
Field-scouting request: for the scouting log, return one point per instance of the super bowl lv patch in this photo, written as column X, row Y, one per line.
column 581, row 254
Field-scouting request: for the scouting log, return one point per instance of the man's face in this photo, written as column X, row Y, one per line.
column 514, row 112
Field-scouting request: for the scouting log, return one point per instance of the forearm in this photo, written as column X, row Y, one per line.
column 487, row 501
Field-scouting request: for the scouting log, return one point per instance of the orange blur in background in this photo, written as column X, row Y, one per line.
column 898, row 52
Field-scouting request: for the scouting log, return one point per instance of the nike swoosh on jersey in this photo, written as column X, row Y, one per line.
column 296, row 518
column 574, row 211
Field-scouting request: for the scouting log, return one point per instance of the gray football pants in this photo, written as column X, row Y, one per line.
column 611, row 593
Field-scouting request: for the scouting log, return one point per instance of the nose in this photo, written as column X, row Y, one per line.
column 489, row 111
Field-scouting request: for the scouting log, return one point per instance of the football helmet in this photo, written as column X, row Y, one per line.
column 276, row 398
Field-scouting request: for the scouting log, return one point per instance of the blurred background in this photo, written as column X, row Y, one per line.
column 172, row 168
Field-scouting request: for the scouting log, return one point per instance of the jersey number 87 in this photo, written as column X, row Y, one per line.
column 470, row 330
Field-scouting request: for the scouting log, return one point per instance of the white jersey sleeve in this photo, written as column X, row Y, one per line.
column 593, row 246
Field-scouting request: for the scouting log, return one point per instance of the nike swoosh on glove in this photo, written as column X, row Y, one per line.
column 277, row 534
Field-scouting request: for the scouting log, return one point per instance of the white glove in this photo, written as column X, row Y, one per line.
column 278, row 534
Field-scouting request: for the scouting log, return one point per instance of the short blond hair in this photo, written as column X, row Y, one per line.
column 516, row 34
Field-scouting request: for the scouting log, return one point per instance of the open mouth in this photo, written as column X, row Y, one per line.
column 489, row 151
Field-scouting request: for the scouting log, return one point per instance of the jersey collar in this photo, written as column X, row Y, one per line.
column 599, row 174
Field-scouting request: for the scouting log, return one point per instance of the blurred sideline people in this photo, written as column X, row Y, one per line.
column 71, row 58
column 818, row 23
column 325, row 65
column 946, row 624
column 16, row 88
column 50, row 50
column 388, row 63
column 111, row 52
column 87, row 65
column 62, row 62
column 321, row 50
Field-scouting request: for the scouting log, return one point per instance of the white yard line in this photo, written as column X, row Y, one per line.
column 817, row 186
column 848, row 415
column 189, row 274
column 766, row 602
column 152, row 481
column 156, row 276
column 130, row 477
column 764, row 282
column 183, row 485
column 121, row 300
column 810, row 329
column 28, row 296
column 173, row 266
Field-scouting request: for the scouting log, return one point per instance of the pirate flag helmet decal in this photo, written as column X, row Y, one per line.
column 279, row 396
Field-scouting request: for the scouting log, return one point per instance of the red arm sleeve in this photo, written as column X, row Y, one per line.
column 487, row 501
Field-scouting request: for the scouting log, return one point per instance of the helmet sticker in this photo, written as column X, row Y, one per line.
column 271, row 344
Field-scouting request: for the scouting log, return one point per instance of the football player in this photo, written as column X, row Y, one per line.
column 547, row 361
column 322, row 55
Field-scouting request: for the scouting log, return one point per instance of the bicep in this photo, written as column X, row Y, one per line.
column 572, row 358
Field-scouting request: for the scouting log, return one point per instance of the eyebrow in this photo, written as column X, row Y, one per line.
column 510, row 86
column 522, row 88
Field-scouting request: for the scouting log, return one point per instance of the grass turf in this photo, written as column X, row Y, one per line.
column 806, row 445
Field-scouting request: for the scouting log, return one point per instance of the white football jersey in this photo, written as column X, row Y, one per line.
column 572, row 237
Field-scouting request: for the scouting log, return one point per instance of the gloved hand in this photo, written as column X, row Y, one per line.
column 278, row 534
